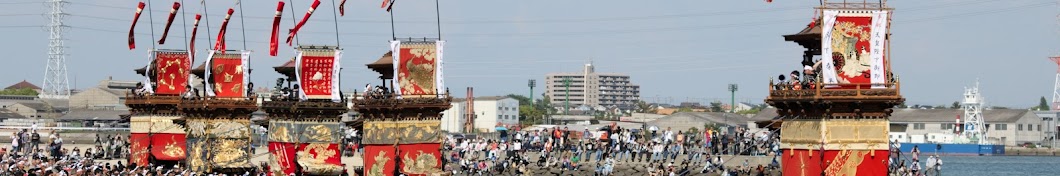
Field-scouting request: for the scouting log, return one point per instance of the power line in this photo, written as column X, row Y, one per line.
column 21, row 26
column 992, row 11
column 21, row 14
column 623, row 31
column 26, row 2
column 684, row 15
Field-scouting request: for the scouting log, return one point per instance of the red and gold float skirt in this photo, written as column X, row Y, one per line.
column 412, row 146
column 218, row 144
column 309, row 145
column 835, row 147
column 165, row 139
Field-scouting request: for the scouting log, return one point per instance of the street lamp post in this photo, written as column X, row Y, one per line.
column 566, row 102
column 732, row 105
column 531, row 84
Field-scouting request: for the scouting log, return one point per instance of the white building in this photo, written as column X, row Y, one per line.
column 453, row 118
column 490, row 112
column 592, row 89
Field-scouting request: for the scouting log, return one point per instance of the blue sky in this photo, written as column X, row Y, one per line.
column 676, row 50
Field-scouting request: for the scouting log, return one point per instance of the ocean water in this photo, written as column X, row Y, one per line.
column 1000, row 165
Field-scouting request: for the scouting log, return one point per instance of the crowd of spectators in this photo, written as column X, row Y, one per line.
column 666, row 152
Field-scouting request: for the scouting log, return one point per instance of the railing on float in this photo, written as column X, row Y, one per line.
column 891, row 89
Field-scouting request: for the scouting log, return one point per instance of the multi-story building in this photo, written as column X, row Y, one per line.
column 490, row 111
column 591, row 89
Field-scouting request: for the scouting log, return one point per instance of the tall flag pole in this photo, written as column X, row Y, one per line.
column 139, row 9
column 274, row 43
column 169, row 22
column 294, row 31
column 220, row 44
column 194, row 30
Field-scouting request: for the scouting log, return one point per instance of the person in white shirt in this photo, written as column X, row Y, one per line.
column 938, row 163
column 668, row 136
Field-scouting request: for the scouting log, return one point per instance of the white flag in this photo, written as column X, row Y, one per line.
column 878, row 42
column 827, row 65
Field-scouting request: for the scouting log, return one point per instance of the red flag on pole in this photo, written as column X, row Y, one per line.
column 813, row 22
column 194, row 29
column 169, row 22
column 274, row 43
column 220, row 44
column 342, row 9
column 305, row 18
column 132, row 41
column 388, row 4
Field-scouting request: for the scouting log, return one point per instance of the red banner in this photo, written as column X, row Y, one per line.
column 168, row 147
column 836, row 162
column 321, row 158
column 173, row 69
column 169, row 22
column 283, row 161
column 220, row 44
column 274, row 42
column 305, row 18
column 379, row 160
column 417, row 64
column 342, row 8
column 315, row 75
column 850, row 46
column 227, row 73
column 132, row 40
column 420, row 159
column 194, row 29
column 412, row 159
column 138, row 154
column 286, row 157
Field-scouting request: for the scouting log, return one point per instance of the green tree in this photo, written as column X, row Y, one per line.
column 685, row 109
column 644, row 107
column 1042, row 104
column 27, row 92
column 715, row 106
column 529, row 115
column 956, row 105
column 522, row 99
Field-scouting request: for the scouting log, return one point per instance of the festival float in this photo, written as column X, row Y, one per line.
column 304, row 116
column 154, row 138
column 835, row 121
column 218, row 124
column 401, row 122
